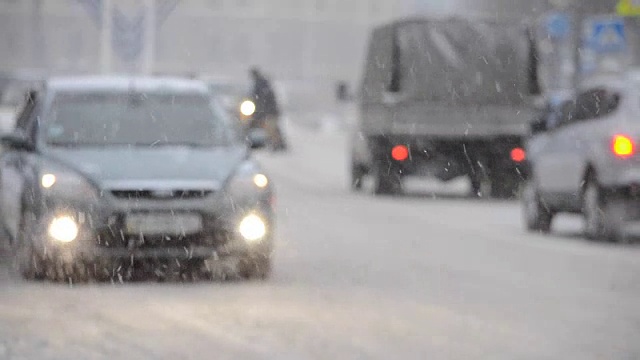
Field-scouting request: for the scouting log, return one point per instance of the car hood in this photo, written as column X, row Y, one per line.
column 107, row 167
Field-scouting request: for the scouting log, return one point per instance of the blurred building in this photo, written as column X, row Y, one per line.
column 294, row 39
column 317, row 41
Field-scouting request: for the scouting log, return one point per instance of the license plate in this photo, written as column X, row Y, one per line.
column 163, row 224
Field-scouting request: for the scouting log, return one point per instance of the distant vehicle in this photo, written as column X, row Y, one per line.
column 584, row 159
column 106, row 175
column 229, row 94
column 445, row 98
column 229, row 91
column 233, row 96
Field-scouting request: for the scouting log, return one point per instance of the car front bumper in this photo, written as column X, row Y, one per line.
column 89, row 252
column 102, row 231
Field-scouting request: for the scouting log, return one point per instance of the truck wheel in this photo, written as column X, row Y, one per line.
column 388, row 181
column 603, row 216
column 537, row 215
column 504, row 187
column 480, row 186
column 357, row 176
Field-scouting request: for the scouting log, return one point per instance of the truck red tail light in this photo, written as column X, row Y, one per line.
column 400, row 153
column 518, row 154
column 623, row 146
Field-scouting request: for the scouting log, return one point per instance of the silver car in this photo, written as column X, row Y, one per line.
column 584, row 159
column 115, row 176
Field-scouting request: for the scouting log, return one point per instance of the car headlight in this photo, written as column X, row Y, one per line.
column 248, row 179
column 248, row 185
column 66, row 184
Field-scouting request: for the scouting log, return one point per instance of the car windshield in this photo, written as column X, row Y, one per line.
column 134, row 119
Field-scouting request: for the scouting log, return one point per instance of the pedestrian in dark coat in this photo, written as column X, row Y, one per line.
column 267, row 113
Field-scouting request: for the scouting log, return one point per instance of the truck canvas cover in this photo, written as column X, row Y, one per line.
column 463, row 61
column 453, row 77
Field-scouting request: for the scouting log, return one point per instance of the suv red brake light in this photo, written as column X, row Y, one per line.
column 622, row 146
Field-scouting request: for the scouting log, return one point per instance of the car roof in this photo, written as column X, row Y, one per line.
column 619, row 81
column 126, row 83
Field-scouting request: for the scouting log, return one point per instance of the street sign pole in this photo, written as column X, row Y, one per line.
column 149, row 37
column 105, row 36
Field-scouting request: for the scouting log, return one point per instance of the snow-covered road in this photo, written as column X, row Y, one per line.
column 417, row 277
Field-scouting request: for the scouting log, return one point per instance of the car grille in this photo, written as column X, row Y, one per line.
column 114, row 236
column 149, row 194
column 115, row 239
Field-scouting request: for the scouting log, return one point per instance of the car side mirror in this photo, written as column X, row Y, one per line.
column 257, row 138
column 16, row 141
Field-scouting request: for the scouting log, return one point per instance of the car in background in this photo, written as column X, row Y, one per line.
column 584, row 159
column 234, row 97
column 111, row 176
column 229, row 94
column 229, row 91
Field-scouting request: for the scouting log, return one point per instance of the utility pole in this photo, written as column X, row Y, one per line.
column 37, row 37
column 149, row 37
column 105, row 36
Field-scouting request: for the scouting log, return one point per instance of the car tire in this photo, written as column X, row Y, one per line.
column 603, row 215
column 388, row 180
column 29, row 263
column 255, row 267
column 537, row 215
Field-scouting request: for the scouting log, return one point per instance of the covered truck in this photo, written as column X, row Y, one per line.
column 445, row 98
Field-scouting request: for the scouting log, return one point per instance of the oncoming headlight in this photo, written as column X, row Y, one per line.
column 48, row 180
column 63, row 229
column 252, row 228
column 247, row 108
column 68, row 185
column 260, row 180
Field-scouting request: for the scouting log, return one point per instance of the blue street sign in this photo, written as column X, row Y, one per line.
column 128, row 35
column 606, row 36
column 94, row 8
column 163, row 9
column 558, row 25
